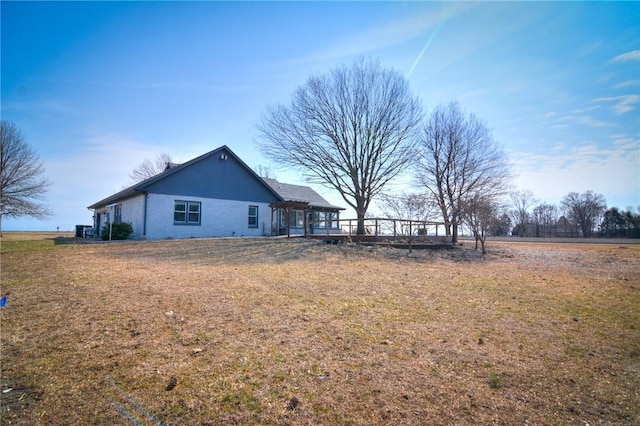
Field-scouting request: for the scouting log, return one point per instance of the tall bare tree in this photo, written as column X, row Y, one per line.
column 149, row 168
column 22, row 184
column 584, row 209
column 352, row 129
column 522, row 201
column 459, row 159
column 545, row 214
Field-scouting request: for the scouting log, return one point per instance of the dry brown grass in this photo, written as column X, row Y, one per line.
column 259, row 331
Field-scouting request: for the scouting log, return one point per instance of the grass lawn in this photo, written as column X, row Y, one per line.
column 296, row 332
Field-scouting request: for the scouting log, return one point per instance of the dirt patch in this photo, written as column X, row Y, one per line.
column 276, row 331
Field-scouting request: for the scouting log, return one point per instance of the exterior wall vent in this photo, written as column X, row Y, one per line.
column 223, row 156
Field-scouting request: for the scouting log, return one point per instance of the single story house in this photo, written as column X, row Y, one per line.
column 215, row 195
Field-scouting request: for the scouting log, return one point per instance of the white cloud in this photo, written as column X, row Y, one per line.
column 622, row 104
column 612, row 172
column 629, row 83
column 393, row 33
column 593, row 122
column 375, row 39
column 590, row 48
column 583, row 110
column 633, row 55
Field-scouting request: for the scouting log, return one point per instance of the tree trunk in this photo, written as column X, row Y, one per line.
column 454, row 233
column 445, row 218
column 360, row 229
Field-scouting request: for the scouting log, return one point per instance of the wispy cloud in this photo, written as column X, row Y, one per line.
column 593, row 122
column 590, row 48
column 622, row 104
column 42, row 108
column 629, row 83
column 377, row 38
column 634, row 55
column 611, row 171
column 393, row 33
column 107, row 158
column 145, row 85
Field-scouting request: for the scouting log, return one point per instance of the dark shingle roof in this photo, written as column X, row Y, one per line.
column 299, row 193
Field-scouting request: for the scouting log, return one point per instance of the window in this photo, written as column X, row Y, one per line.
column 117, row 213
column 253, row 216
column 325, row 220
column 317, row 221
column 296, row 218
column 332, row 220
column 186, row 213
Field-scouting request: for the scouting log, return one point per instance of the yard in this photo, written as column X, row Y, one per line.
column 296, row 332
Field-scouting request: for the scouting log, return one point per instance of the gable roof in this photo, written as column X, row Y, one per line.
column 306, row 194
column 281, row 191
column 143, row 186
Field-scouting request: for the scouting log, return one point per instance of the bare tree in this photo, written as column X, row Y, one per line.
column 409, row 208
column 584, row 209
column 264, row 171
column 459, row 159
column 545, row 214
column 522, row 201
column 352, row 129
column 21, row 182
column 481, row 214
column 149, row 168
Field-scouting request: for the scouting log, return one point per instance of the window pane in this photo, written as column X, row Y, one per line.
column 253, row 216
column 179, row 211
column 194, row 213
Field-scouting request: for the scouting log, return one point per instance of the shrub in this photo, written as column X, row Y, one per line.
column 119, row 231
column 495, row 381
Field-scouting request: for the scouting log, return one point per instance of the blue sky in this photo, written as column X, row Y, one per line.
column 98, row 87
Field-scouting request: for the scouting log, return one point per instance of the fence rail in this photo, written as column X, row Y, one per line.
column 380, row 227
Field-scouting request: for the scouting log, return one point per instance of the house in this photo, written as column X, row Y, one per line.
column 319, row 217
column 562, row 228
column 215, row 194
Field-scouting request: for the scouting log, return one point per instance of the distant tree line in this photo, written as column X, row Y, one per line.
column 620, row 224
column 588, row 211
